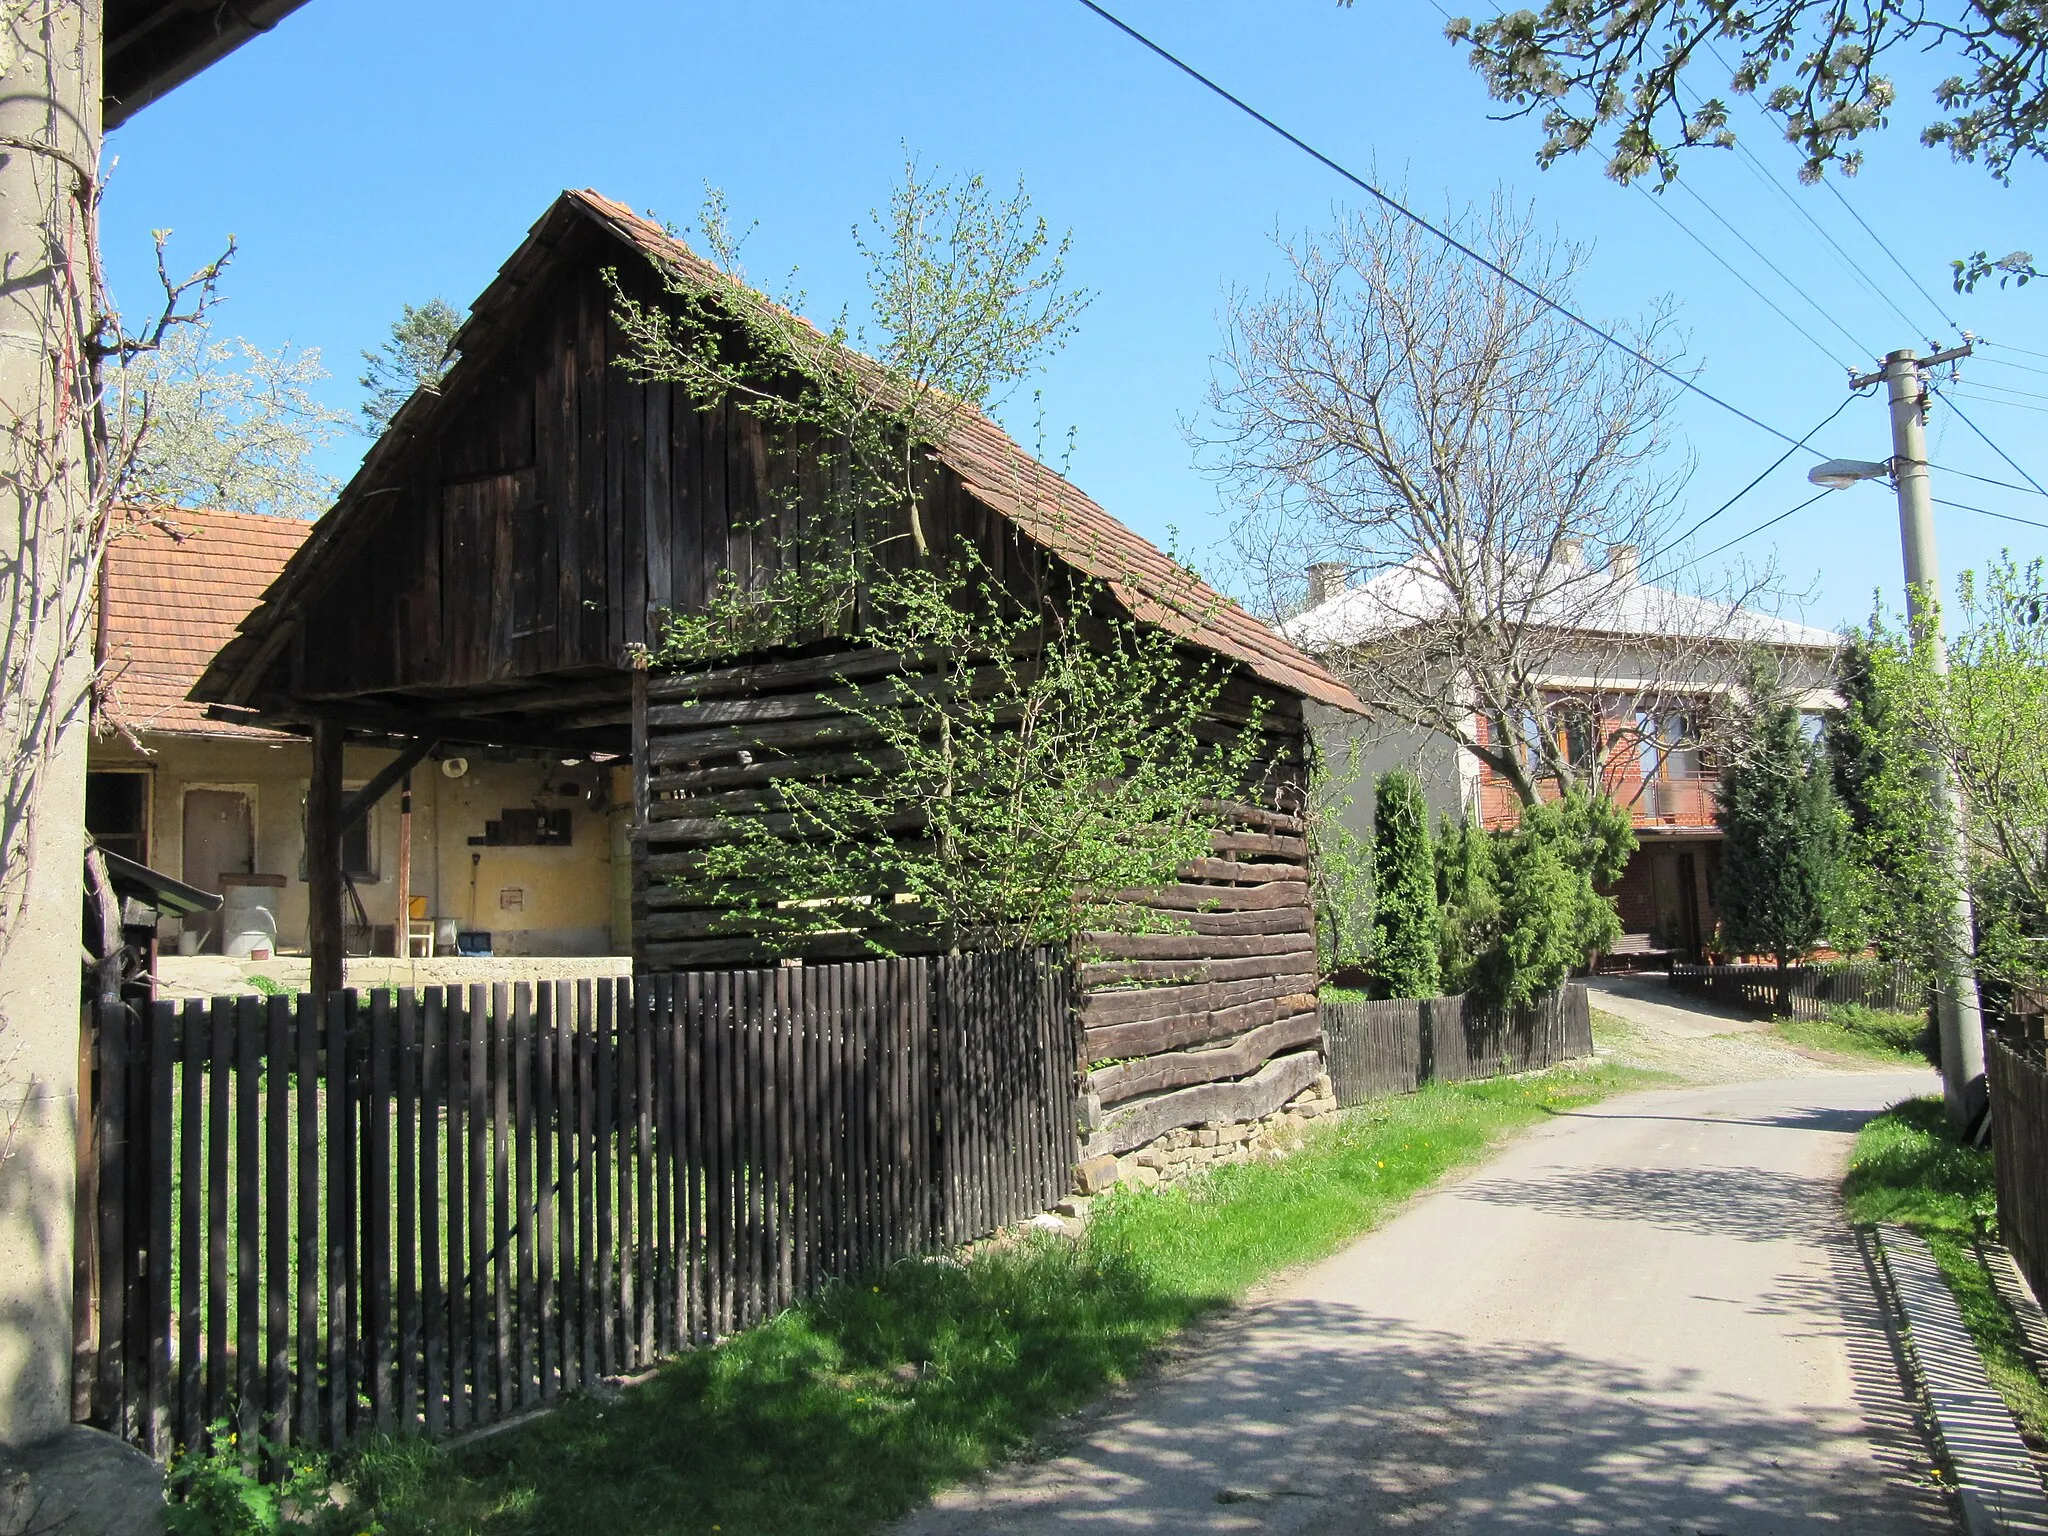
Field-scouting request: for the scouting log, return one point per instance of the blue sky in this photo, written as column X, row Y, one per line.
column 380, row 151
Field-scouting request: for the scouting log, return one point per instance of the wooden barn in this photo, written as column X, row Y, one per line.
column 492, row 577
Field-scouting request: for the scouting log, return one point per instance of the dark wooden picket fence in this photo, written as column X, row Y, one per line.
column 1802, row 991
column 430, row 1210
column 1395, row 1046
column 2018, row 1072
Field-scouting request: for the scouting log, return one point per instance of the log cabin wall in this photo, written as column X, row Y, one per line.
column 1213, row 1025
column 494, row 572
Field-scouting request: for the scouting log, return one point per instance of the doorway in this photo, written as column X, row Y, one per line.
column 220, row 839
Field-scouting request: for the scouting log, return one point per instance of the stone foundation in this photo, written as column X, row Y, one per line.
column 1192, row 1149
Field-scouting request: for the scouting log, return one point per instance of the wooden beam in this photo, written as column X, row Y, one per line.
column 323, row 859
column 386, row 779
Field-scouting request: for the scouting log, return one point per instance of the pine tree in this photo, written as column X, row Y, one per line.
column 1782, row 833
column 416, row 357
column 1405, row 920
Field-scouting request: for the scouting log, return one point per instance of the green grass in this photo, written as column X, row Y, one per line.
column 1849, row 1029
column 1907, row 1168
column 1343, row 995
column 858, row 1405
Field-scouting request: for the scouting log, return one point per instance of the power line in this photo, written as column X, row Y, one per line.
column 1760, row 527
column 1769, row 470
column 2004, row 517
column 2007, row 389
column 2006, row 362
column 2006, row 346
column 1855, row 268
column 1985, row 437
column 2003, row 485
column 1690, row 191
column 1693, row 235
column 1388, row 201
column 1952, row 394
column 1843, row 199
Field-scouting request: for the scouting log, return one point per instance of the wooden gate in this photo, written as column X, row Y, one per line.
column 426, row 1210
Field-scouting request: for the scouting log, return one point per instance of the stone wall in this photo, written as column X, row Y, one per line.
column 1188, row 1150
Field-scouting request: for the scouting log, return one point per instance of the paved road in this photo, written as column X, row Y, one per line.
column 1648, row 1316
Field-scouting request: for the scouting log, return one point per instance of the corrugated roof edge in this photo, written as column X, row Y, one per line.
column 1046, row 507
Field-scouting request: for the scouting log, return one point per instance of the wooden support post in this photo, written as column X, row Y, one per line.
column 404, row 945
column 638, row 843
column 323, row 859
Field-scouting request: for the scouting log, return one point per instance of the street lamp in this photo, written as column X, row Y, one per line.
column 1838, row 474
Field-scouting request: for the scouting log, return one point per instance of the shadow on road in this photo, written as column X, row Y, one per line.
column 1311, row 1416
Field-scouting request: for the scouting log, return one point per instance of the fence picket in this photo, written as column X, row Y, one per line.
column 427, row 1210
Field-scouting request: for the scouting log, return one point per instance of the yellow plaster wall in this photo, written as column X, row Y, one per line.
column 533, row 901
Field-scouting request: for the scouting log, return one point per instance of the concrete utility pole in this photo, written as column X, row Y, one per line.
column 1959, row 1013
column 50, row 130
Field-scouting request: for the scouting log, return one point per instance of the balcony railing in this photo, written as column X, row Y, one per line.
column 1668, row 802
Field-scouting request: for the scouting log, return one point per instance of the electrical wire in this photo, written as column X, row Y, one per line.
column 1952, row 394
column 1692, row 192
column 2004, row 517
column 2007, row 389
column 2003, row 485
column 1394, row 205
column 1854, row 267
column 1694, row 236
column 1985, row 438
column 1759, row 528
column 1768, row 471
column 1842, row 198
column 2006, row 362
column 2006, row 346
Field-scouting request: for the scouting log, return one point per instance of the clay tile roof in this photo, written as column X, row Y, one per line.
column 1056, row 514
column 175, row 585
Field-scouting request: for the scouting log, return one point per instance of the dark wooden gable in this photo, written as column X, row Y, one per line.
column 556, row 507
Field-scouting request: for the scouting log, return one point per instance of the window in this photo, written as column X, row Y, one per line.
column 117, row 812
column 358, row 843
column 526, row 827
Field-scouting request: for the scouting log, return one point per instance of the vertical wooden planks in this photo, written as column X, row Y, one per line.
column 110, row 1396
column 524, row 1129
column 546, row 1136
column 277, row 1203
column 667, row 1287
column 607, row 1109
column 433, row 1296
column 455, row 1151
column 340, row 1007
column 163, row 1030
column 478, row 1276
column 218, row 1363
column 376, row 1213
column 308, row 1029
column 586, row 1183
column 406, row 1244
column 501, row 1256
column 717, row 1176
column 191, row 1222
column 645, row 1255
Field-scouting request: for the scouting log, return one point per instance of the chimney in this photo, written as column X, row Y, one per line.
column 1325, row 581
column 1570, row 551
column 1622, row 560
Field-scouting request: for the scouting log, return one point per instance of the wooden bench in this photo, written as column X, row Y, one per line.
column 1636, row 952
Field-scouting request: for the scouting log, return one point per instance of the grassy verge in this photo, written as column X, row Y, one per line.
column 1908, row 1168
column 1850, row 1029
column 856, row 1406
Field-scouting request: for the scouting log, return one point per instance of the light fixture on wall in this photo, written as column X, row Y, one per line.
column 454, row 767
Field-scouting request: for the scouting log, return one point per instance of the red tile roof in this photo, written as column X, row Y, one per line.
column 176, row 584
column 1060, row 517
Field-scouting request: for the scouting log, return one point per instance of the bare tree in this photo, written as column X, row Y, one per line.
column 1491, row 481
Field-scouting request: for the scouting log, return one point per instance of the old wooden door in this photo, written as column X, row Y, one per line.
column 220, row 839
